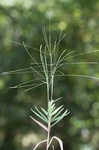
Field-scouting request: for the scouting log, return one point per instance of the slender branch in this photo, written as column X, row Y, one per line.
column 52, row 86
column 79, row 75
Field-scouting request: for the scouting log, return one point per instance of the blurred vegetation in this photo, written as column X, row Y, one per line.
column 23, row 21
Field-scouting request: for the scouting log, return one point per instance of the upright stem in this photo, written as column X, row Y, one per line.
column 52, row 86
column 51, row 76
column 49, row 121
column 48, row 97
column 48, row 136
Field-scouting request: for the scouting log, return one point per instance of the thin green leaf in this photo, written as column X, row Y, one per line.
column 33, row 87
column 58, row 61
column 61, row 117
column 84, row 53
column 45, row 112
column 46, row 64
column 16, row 71
column 28, row 51
column 81, row 63
column 43, row 116
column 38, row 115
column 80, row 75
column 57, row 110
column 58, row 99
column 55, row 117
column 42, row 61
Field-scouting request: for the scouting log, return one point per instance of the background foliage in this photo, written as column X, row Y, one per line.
column 22, row 21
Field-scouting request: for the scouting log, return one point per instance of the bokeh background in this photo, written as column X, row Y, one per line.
column 22, row 20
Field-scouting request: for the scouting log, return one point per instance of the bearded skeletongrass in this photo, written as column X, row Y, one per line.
column 46, row 70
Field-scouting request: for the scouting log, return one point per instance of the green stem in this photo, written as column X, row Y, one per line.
column 52, row 86
column 47, row 81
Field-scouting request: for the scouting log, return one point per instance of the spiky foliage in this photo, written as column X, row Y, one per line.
column 51, row 60
column 50, row 63
column 53, row 114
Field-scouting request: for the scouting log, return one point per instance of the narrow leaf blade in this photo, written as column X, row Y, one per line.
column 44, row 111
column 61, row 117
column 38, row 115
column 57, row 115
column 57, row 110
column 43, row 116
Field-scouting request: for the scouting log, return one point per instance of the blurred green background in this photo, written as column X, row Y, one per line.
column 22, row 20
